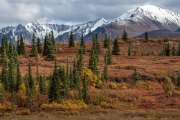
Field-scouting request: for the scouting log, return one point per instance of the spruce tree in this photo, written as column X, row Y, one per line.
column 80, row 62
column 116, row 50
column 109, row 56
column 96, row 46
column 33, row 49
column 106, row 73
column 45, row 51
column 79, row 87
column 18, row 46
column 136, row 75
column 167, row 49
column 129, row 51
column 18, row 78
column 93, row 63
column 12, row 74
column 22, row 49
column 4, row 73
column 3, row 45
column 53, row 89
column 67, row 74
column 146, row 36
column 30, row 78
column 15, row 53
column 39, row 46
column 71, row 40
column 75, row 72
column 71, row 78
column 7, row 46
column 125, row 36
column 85, row 90
column 10, row 48
column 178, row 52
column 173, row 51
column 42, row 85
column 50, row 53
column 106, row 41
column 83, row 45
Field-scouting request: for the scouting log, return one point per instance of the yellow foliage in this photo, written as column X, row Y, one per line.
column 59, row 44
column 22, row 87
column 112, row 85
column 76, row 43
column 25, row 112
column 103, row 40
column 168, row 86
column 90, row 77
column 36, row 89
column 1, row 88
column 65, row 105
column 120, row 41
column 21, row 96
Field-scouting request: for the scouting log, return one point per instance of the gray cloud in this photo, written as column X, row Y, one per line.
column 13, row 12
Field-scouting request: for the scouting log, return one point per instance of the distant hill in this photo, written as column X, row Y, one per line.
column 161, row 33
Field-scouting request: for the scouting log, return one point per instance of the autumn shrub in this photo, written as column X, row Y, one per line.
column 90, row 77
column 120, row 41
column 21, row 96
column 148, row 99
column 39, row 99
column 65, row 105
column 149, row 85
column 168, row 86
column 25, row 112
column 112, row 85
column 100, row 84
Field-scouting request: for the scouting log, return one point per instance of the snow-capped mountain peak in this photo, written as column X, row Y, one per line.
column 163, row 16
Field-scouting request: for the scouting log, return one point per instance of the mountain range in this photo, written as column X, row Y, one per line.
column 136, row 21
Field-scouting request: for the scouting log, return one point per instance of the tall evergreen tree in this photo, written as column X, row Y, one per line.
column 109, row 56
column 83, row 45
column 167, row 49
column 79, row 87
column 22, row 49
column 45, row 51
column 129, row 51
column 18, row 46
column 42, row 85
column 106, row 73
column 71, row 78
column 116, row 50
column 50, row 53
column 18, row 78
column 93, row 63
column 106, row 41
column 33, row 49
column 53, row 89
column 96, row 46
column 3, row 45
column 146, row 36
column 30, row 78
column 52, row 39
column 85, row 90
column 12, row 74
column 39, row 46
column 178, row 52
column 80, row 63
column 71, row 40
column 173, row 51
column 125, row 36
column 10, row 48
column 75, row 72
column 4, row 73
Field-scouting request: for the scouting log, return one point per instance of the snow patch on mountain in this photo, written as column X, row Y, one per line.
column 163, row 16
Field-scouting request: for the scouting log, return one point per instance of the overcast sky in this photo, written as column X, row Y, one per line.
column 14, row 12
